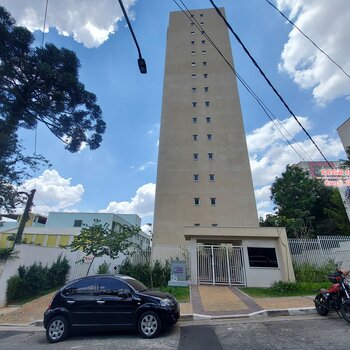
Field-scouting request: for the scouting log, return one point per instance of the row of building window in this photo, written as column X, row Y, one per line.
column 196, row 156
column 205, row 88
column 211, row 177
column 194, row 43
column 196, row 138
column 207, row 119
column 205, row 76
column 197, row 201
column 214, row 225
column 207, row 103
column 194, row 64
column 204, row 52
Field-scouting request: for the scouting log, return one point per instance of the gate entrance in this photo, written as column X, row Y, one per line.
column 220, row 264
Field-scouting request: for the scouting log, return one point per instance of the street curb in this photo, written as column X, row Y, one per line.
column 198, row 317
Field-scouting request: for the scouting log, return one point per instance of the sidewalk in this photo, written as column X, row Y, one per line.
column 206, row 302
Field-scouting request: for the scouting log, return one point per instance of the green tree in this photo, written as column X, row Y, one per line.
column 337, row 213
column 39, row 85
column 99, row 240
column 301, row 202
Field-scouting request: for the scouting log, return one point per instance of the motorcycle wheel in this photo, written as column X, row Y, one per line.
column 319, row 299
column 345, row 310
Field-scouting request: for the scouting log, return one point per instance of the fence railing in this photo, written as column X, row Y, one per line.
column 319, row 250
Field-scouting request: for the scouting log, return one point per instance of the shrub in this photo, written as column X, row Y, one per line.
column 36, row 279
column 285, row 287
column 7, row 253
column 307, row 272
column 103, row 269
column 160, row 272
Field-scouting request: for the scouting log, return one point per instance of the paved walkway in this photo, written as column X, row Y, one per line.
column 205, row 300
column 221, row 301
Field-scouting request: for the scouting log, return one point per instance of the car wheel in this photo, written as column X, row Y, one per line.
column 149, row 324
column 57, row 329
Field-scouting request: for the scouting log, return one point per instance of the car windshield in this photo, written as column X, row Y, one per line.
column 137, row 285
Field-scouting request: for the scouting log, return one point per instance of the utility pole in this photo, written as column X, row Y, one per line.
column 25, row 216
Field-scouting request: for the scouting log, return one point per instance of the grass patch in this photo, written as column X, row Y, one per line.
column 182, row 294
column 300, row 289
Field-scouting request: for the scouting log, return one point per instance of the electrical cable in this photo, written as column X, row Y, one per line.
column 244, row 83
column 308, row 38
column 268, row 81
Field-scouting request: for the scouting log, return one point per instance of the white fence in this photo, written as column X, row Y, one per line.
column 320, row 250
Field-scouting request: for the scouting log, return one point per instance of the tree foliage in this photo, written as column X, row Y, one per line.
column 39, row 85
column 305, row 206
column 98, row 240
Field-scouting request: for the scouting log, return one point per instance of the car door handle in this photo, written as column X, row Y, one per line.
column 70, row 301
column 100, row 301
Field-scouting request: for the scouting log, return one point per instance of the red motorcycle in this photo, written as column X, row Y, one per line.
column 336, row 298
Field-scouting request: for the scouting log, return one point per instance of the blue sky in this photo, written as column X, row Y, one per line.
column 120, row 176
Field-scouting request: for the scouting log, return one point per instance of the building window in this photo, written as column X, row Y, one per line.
column 193, row 64
column 212, row 201
column 192, row 23
column 195, row 137
column 195, row 177
column 197, row 225
column 194, row 104
column 208, row 119
column 204, row 63
column 206, row 89
column 193, row 76
column 209, row 137
column 262, row 257
column 192, row 33
column 196, row 201
column 192, row 42
column 193, row 52
column 205, row 75
column 195, row 156
column 201, row 15
column 194, row 120
column 211, row 177
column 210, row 156
column 78, row 223
column 201, row 23
column 207, row 103
column 203, row 41
column 194, row 89
column 214, row 225
column 204, row 52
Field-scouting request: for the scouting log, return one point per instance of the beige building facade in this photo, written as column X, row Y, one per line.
column 204, row 182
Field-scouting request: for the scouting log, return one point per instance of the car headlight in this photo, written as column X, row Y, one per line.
column 166, row 302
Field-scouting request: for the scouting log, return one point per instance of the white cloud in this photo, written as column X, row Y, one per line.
column 141, row 204
column 89, row 22
column 269, row 159
column 53, row 192
column 326, row 22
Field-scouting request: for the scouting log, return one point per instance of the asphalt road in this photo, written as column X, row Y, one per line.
column 287, row 333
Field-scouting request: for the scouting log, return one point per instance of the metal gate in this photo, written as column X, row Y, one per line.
column 218, row 264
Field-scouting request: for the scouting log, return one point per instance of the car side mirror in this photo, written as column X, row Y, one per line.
column 124, row 293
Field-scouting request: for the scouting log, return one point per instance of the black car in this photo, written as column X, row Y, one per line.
column 105, row 301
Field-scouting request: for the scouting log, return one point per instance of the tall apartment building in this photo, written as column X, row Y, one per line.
column 204, row 177
column 204, row 194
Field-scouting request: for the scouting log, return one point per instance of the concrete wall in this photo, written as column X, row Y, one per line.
column 29, row 254
column 262, row 276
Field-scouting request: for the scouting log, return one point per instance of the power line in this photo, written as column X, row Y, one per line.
column 308, row 38
column 244, row 83
column 42, row 40
column 268, row 81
